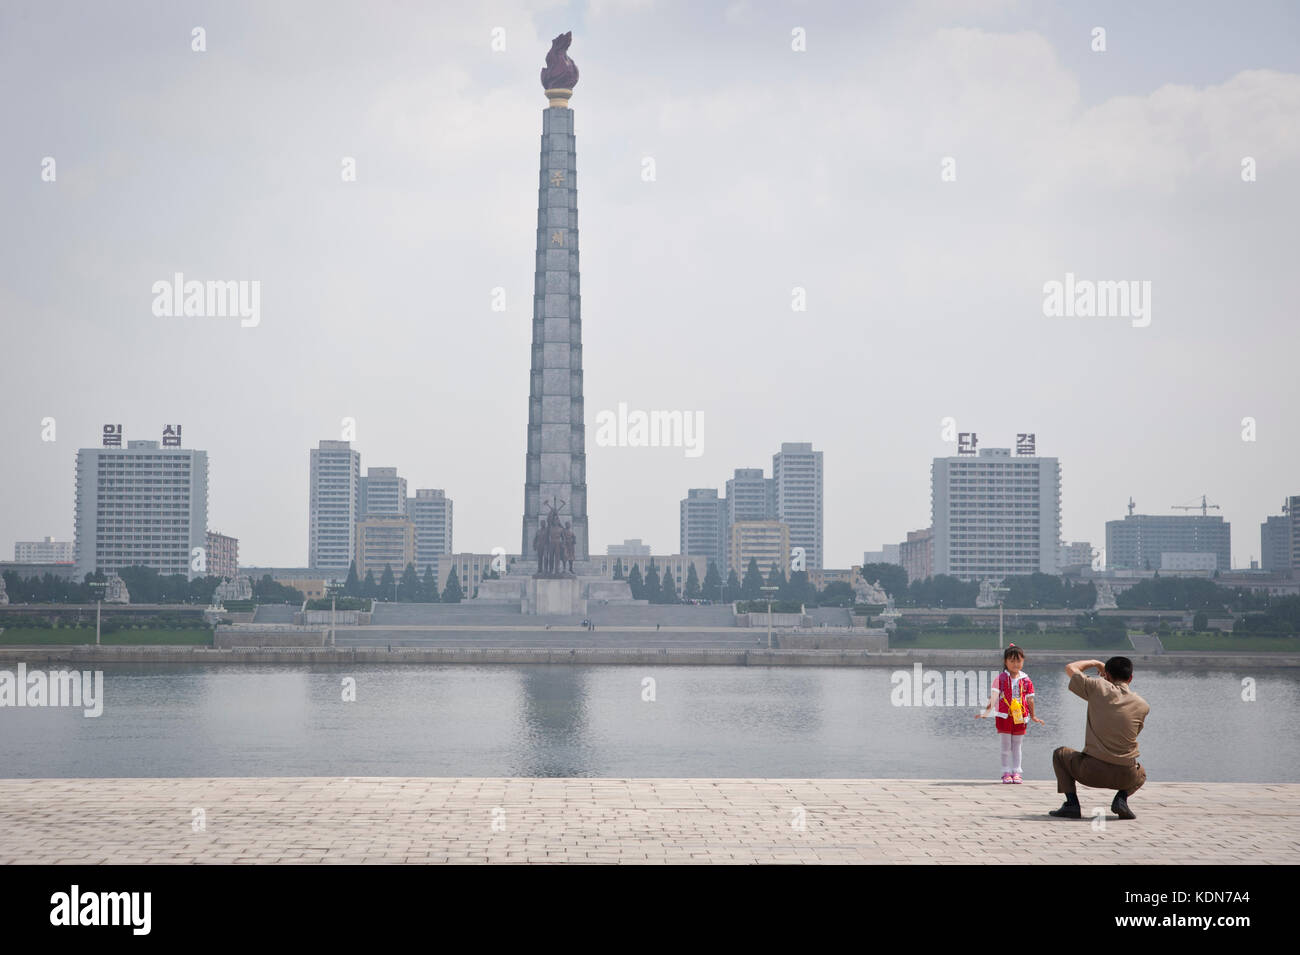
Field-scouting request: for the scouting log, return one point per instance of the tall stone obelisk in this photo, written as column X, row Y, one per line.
column 556, row 471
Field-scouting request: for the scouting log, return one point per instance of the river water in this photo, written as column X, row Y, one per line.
column 546, row 720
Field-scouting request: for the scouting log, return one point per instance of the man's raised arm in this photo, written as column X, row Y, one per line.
column 1078, row 666
column 1079, row 684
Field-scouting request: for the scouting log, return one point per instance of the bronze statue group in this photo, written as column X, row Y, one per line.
column 554, row 546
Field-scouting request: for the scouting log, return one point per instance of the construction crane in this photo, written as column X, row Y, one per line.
column 1191, row 507
column 1131, row 505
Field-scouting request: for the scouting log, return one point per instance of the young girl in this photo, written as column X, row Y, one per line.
column 1013, row 695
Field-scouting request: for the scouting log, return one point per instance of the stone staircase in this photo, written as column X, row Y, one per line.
column 1146, row 643
column 274, row 613
column 668, row 615
column 830, row 616
column 469, row 614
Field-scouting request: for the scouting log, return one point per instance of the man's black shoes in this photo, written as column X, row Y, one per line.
column 1119, row 806
column 1069, row 810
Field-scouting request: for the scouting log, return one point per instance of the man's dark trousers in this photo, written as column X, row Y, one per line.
column 1072, row 767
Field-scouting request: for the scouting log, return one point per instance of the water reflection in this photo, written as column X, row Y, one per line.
column 555, row 722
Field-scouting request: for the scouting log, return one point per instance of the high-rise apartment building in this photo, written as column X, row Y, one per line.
column 1137, row 541
column 916, row 554
column 1293, row 512
column 335, row 506
column 1275, row 544
column 750, row 496
column 995, row 515
column 704, row 526
column 383, row 493
column 430, row 511
column 797, row 480
column 140, row 506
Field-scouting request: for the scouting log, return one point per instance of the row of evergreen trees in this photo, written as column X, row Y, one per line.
column 411, row 587
column 661, row 588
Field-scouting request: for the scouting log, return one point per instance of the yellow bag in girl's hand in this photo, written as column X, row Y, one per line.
column 1015, row 709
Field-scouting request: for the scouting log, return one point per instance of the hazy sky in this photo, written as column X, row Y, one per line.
column 775, row 169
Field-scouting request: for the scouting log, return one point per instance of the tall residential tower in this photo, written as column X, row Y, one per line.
column 431, row 512
column 797, row 478
column 335, row 506
column 704, row 526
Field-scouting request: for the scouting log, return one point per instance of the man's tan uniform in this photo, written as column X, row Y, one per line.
column 1109, row 758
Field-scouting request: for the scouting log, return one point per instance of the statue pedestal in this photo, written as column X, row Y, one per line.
column 559, row 596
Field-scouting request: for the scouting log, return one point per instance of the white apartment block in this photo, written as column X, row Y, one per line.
column 996, row 515
column 797, row 479
column 750, row 496
column 703, row 530
column 140, row 506
column 383, row 494
column 335, row 506
column 431, row 512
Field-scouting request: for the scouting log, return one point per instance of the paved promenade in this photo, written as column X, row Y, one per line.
column 395, row 820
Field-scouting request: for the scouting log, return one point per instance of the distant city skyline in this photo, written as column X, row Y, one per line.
column 847, row 245
column 432, row 534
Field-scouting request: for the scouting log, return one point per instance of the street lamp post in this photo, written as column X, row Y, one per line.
column 333, row 587
column 1001, row 593
column 770, row 590
column 99, row 587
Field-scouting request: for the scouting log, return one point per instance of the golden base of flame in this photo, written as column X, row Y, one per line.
column 559, row 98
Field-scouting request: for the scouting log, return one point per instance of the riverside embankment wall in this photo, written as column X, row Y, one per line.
column 963, row 659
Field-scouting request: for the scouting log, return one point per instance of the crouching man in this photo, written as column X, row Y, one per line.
column 1109, row 757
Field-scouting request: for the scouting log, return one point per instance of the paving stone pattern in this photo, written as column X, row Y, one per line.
column 591, row 820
